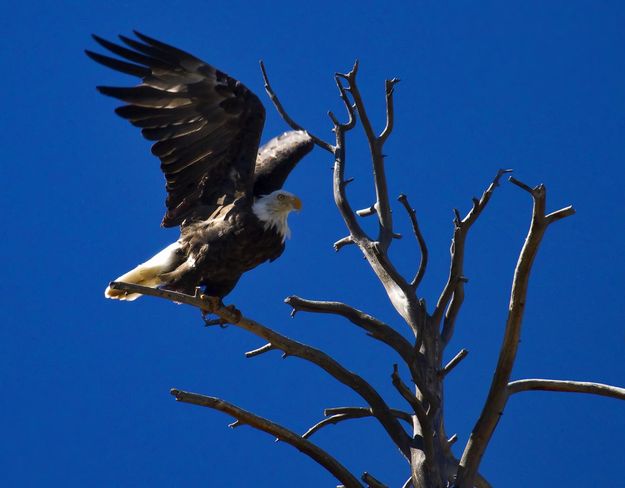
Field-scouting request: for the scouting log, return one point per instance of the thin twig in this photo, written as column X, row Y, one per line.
column 498, row 393
column 559, row 214
column 285, row 116
column 366, row 212
column 332, row 420
column 412, row 400
column 350, row 413
column 420, row 239
column 349, row 106
column 566, row 386
column 400, row 414
column 292, row 348
column 389, row 86
column 259, row 351
column 345, row 241
column 454, row 362
column 242, row 416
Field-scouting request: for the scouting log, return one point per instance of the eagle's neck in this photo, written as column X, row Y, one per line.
column 272, row 216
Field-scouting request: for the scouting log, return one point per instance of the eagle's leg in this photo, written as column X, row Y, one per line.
column 213, row 303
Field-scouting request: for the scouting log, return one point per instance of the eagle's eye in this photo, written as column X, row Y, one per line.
column 281, row 197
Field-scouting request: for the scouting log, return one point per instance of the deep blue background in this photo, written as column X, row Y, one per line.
column 536, row 86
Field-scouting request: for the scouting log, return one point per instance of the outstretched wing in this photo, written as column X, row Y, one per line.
column 277, row 158
column 206, row 124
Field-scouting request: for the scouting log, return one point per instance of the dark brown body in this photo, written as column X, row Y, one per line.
column 216, row 252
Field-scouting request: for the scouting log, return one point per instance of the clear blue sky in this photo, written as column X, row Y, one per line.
column 535, row 86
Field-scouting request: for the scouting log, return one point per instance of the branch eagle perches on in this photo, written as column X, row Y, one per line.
column 426, row 446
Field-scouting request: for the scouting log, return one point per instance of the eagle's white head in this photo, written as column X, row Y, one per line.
column 273, row 210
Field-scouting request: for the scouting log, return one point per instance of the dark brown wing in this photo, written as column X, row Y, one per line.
column 277, row 158
column 206, row 124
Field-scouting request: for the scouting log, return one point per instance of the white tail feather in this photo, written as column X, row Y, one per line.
column 146, row 274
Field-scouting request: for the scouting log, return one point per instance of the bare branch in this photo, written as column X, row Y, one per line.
column 339, row 414
column 405, row 392
column 398, row 290
column 454, row 288
column 259, row 351
column 521, row 185
column 389, row 86
column 454, row 362
column 422, row 245
column 285, row 116
column 335, row 468
column 349, row 106
column 366, row 412
column 408, row 483
column 292, row 348
column 376, row 328
column 498, row 394
column 452, row 440
column 559, row 214
column 366, row 212
column 567, row 386
column 332, row 420
column 345, row 241
column 449, row 322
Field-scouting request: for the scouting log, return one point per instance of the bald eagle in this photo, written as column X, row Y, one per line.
column 224, row 193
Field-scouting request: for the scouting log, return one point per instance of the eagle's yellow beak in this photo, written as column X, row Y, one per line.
column 297, row 203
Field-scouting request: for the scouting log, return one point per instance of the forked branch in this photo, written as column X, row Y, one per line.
column 293, row 348
column 498, row 394
column 452, row 296
column 420, row 239
column 244, row 417
column 376, row 144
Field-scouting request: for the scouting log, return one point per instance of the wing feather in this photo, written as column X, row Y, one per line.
column 173, row 131
column 116, row 64
column 206, row 125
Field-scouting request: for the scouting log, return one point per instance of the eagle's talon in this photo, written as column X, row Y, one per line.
column 234, row 311
column 213, row 303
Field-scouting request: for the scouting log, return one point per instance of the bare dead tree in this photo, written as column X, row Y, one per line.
column 424, row 444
